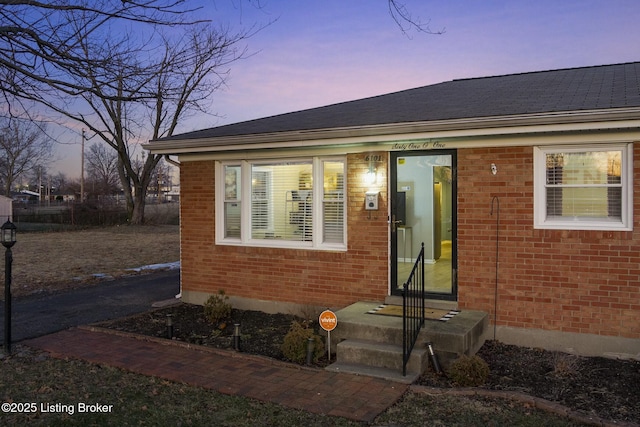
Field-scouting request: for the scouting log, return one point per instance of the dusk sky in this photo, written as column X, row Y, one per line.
column 322, row 52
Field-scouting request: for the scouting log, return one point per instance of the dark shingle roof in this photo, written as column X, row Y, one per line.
column 574, row 89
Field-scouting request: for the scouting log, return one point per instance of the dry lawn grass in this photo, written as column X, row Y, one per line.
column 44, row 262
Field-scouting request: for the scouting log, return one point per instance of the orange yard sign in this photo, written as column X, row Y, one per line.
column 328, row 320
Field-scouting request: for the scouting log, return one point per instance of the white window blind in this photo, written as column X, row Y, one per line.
column 281, row 202
column 333, row 202
column 232, row 204
column 261, row 215
column 583, row 187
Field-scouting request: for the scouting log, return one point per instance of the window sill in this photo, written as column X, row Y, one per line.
column 283, row 245
column 583, row 225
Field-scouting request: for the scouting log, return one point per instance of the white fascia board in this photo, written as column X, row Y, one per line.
column 572, row 138
column 449, row 129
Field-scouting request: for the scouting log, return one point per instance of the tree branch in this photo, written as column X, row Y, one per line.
column 405, row 20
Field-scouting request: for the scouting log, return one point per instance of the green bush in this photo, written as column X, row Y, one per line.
column 217, row 308
column 469, row 371
column 294, row 346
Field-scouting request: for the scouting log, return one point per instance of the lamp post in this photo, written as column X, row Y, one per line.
column 8, row 239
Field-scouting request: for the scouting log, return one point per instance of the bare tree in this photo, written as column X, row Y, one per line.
column 23, row 148
column 161, row 180
column 62, row 184
column 102, row 169
column 149, row 103
column 127, row 85
column 40, row 42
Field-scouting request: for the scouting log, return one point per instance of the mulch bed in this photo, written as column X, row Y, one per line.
column 597, row 386
column 261, row 333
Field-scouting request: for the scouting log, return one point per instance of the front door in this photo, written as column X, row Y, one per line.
column 423, row 210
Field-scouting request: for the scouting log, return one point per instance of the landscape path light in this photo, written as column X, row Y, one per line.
column 236, row 336
column 310, row 348
column 170, row 326
column 8, row 239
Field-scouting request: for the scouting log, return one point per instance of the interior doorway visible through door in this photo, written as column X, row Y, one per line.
column 423, row 210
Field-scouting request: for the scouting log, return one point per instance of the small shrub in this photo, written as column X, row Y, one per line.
column 564, row 365
column 309, row 313
column 217, row 308
column 469, row 371
column 294, row 346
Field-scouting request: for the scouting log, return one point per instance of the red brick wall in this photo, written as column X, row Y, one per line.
column 557, row 280
column 321, row 278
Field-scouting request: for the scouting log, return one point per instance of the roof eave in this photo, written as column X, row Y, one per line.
column 620, row 118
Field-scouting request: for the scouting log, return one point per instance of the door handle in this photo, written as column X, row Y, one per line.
column 395, row 223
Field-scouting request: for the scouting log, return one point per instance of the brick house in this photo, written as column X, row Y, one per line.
column 521, row 188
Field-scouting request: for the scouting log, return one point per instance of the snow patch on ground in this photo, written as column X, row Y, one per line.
column 166, row 266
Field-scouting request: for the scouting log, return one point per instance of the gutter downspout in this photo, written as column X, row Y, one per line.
column 176, row 164
column 495, row 297
column 173, row 162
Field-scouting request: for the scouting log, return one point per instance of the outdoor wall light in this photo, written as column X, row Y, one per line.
column 371, row 177
column 8, row 239
column 494, row 169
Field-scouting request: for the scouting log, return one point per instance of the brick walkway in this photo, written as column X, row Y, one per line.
column 355, row 397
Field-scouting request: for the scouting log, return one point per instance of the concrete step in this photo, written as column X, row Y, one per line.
column 463, row 334
column 355, row 323
column 375, row 372
column 362, row 339
column 380, row 355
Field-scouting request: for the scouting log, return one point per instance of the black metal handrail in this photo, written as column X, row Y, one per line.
column 412, row 308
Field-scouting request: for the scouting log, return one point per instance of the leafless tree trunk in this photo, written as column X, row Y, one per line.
column 23, row 147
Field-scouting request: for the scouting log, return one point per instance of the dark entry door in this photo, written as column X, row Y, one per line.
column 423, row 210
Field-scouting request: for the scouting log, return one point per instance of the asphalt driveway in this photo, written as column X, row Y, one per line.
column 38, row 315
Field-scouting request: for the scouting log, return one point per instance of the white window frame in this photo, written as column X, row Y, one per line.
column 245, row 216
column 540, row 194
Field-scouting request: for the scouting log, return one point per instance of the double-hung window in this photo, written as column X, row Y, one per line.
column 297, row 203
column 583, row 188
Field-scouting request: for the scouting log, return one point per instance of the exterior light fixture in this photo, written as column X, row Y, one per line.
column 169, row 326
column 434, row 359
column 8, row 239
column 371, row 177
column 236, row 336
column 8, row 236
column 310, row 348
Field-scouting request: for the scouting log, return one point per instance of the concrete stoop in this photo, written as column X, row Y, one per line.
column 368, row 344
